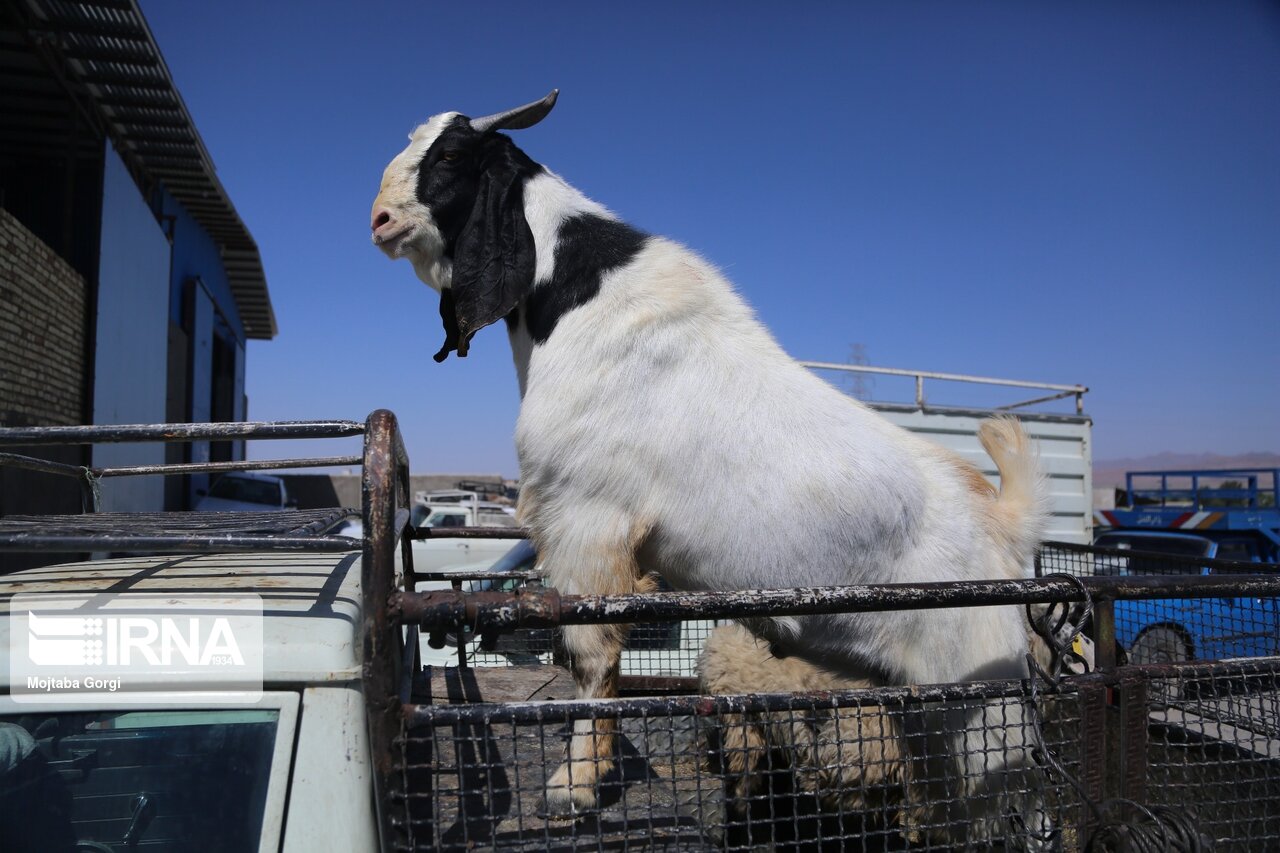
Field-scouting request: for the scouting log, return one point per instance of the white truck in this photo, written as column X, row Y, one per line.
column 284, row 769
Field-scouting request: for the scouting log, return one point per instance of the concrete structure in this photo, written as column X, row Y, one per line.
column 128, row 283
column 314, row 491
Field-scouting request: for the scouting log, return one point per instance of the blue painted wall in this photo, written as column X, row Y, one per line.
column 195, row 254
column 130, row 359
column 201, row 303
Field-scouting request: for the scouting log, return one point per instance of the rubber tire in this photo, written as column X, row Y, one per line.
column 1160, row 644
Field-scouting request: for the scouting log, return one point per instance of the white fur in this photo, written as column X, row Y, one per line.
column 664, row 402
column 548, row 202
column 421, row 242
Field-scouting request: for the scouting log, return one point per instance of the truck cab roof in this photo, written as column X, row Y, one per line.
column 311, row 601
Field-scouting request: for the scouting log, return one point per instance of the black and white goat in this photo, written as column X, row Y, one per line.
column 660, row 422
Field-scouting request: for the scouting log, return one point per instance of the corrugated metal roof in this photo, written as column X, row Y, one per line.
column 110, row 55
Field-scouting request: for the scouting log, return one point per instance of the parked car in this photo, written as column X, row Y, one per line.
column 245, row 491
column 438, row 510
column 1180, row 629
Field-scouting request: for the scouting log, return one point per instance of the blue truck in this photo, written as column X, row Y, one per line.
column 1172, row 520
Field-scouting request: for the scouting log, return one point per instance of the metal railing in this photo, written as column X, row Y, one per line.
column 749, row 770
column 89, row 477
column 1253, row 493
column 1062, row 391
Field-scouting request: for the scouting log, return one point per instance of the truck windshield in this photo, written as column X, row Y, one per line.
column 441, row 518
column 124, row 780
column 1180, row 546
column 248, row 490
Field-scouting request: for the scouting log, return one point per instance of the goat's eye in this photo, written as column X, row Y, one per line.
column 450, row 156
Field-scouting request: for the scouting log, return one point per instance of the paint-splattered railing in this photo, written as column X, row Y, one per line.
column 1120, row 748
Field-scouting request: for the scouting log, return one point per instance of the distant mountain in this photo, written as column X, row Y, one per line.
column 1110, row 472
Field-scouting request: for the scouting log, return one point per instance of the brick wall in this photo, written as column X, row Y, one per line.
column 42, row 322
column 42, row 369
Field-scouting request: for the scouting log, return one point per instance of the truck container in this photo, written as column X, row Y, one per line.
column 1063, row 439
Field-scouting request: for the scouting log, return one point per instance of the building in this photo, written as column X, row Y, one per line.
column 129, row 286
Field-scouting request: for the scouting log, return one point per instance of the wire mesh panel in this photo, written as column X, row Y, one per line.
column 1214, row 752
column 1170, row 755
column 1157, row 630
column 857, row 770
column 668, row 649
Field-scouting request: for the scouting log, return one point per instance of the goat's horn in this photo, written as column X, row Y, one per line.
column 520, row 117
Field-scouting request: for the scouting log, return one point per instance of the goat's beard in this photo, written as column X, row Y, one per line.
column 434, row 271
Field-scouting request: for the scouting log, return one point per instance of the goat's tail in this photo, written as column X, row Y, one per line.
column 1021, row 509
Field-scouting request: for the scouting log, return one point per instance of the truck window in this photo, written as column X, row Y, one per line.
column 1179, row 546
column 1237, row 549
column 496, row 518
column 248, row 490
column 176, row 780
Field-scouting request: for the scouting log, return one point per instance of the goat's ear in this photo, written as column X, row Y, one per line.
column 493, row 260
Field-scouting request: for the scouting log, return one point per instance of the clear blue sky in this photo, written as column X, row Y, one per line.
column 1071, row 193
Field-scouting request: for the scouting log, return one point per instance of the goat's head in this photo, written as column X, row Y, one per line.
column 453, row 204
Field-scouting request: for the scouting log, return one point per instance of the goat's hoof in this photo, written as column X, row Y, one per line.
column 565, row 803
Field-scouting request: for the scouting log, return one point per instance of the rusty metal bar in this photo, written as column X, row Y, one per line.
column 1103, row 633
column 1093, row 753
column 1133, row 724
column 214, row 467
column 115, row 433
column 529, row 608
column 650, row 684
column 457, row 577
column 462, row 644
column 385, row 479
column 468, row 533
column 705, row 706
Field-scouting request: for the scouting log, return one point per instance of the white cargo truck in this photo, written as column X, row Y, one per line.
column 1063, row 439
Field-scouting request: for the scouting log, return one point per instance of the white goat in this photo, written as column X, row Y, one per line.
column 660, row 422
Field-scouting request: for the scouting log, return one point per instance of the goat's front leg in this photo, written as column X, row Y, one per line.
column 595, row 658
column 595, row 556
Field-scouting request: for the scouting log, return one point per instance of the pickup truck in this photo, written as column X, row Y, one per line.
column 286, row 768
column 1209, row 522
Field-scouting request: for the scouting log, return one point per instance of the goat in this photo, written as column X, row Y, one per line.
column 660, row 422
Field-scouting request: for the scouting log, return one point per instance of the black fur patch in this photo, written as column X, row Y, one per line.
column 449, row 186
column 588, row 247
column 474, row 185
